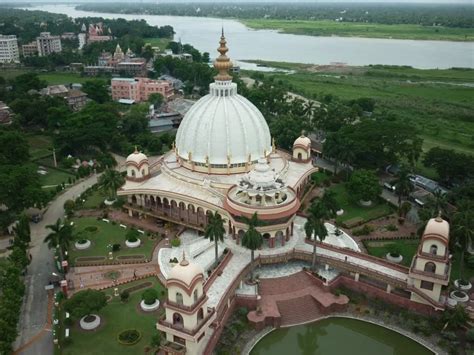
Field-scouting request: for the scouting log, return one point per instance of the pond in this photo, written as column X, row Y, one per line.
column 337, row 336
column 245, row 43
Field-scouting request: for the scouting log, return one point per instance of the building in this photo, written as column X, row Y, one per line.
column 223, row 161
column 76, row 99
column 431, row 266
column 96, row 33
column 9, row 49
column 82, row 38
column 125, row 64
column 5, row 114
column 187, row 316
column 29, row 49
column 48, row 44
column 139, row 89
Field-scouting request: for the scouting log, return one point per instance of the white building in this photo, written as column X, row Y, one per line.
column 48, row 44
column 82, row 37
column 9, row 49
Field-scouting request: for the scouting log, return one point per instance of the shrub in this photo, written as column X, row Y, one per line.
column 85, row 302
column 156, row 340
column 149, row 296
column 129, row 337
column 68, row 322
column 124, row 295
column 470, row 335
column 470, row 261
column 116, row 247
column 175, row 242
column 132, row 235
column 392, row 228
column 365, row 230
column 394, row 250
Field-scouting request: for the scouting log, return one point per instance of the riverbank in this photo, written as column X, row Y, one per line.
column 439, row 102
column 328, row 28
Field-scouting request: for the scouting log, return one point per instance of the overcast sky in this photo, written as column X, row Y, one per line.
column 222, row 1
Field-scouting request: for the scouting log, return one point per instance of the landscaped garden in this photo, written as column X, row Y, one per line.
column 405, row 247
column 108, row 237
column 124, row 328
column 93, row 199
column 353, row 210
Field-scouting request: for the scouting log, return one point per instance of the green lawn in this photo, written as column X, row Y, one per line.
column 54, row 177
column 94, row 199
column 107, row 233
column 361, row 29
column 353, row 210
column 56, row 78
column 455, row 268
column 406, row 247
column 158, row 42
column 117, row 316
column 432, row 100
column 40, row 145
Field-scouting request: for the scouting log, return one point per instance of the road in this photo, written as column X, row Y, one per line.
column 33, row 318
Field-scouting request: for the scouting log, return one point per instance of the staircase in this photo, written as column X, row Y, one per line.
column 298, row 310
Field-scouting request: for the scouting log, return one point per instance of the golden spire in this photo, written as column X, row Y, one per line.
column 223, row 63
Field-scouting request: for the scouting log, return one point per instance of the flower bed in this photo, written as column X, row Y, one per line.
column 129, row 337
column 462, row 284
column 394, row 258
column 90, row 322
column 150, row 307
column 82, row 244
column 133, row 243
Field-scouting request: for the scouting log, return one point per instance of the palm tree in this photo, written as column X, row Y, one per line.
column 60, row 237
column 463, row 227
column 252, row 239
column 403, row 185
column 215, row 231
column 315, row 226
column 111, row 180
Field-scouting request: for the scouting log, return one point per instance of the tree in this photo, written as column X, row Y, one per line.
column 455, row 318
column 150, row 296
column 315, row 226
column 85, row 302
column 15, row 148
column 96, row 90
column 69, row 207
column 22, row 229
column 215, row 231
column 363, row 185
column 403, row 185
column 156, row 99
column 463, row 228
column 60, row 237
column 452, row 167
column 252, row 239
column 111, row 180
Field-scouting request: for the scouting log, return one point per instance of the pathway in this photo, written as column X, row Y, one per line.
column 33, row 317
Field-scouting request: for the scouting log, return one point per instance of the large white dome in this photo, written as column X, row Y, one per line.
column 225, row 129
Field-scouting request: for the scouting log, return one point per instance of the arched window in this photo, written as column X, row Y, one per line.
column 143, row 172
column 132, row 172
column 434, row 249
column 179, row 298
column 430, row 267
column 300, row 156
column 195, row 294
column 200, row 314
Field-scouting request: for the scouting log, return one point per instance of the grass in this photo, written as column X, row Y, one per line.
column 57, row 78
column 107, row 233
column 455, row 269
column 433, row 100
column 54, row 177
column 117, row 316
column 406, row 247
column 161, row 43
column 360, row 29
column 94, row 200
column 353, row 210
column 40, row 146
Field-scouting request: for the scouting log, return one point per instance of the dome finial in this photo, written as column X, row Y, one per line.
column 184, row 262
column 438, row 217
column 136, row 150
column 223, row 63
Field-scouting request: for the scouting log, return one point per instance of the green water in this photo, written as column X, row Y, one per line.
column 337, row 336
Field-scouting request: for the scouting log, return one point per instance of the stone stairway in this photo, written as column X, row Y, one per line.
column 282, row 285
column 298, row 310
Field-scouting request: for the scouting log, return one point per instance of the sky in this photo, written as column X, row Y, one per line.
column 227, row 1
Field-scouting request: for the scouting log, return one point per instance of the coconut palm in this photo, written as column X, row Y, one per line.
column 403, row 185
column 111, row 180
column 315, row 226
column 60, row 237
column 463, row 227
column 252, row 239
column 215, row 231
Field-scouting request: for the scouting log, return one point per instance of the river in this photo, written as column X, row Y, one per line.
column 248, row 44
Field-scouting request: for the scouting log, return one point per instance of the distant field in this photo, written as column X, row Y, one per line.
column 158, row 42
column 52, row 78
column 439, row 102
column 359, row 29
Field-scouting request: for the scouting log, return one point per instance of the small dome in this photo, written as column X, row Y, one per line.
column 185, row 271
column 303, row 141
column 137, row 158
column 438, row 227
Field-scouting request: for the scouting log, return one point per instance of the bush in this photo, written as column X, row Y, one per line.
column 470, row 335
column 175, row 242
column 150, row 296
column 129, row 337
column 156, row 340
column 68, row 322
column 91, row 229
column 132, row 235
column 85, row 302
column 470, row 261
column 392, row 228
column 124, row 295
column 365, row 230
column 116, row 247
